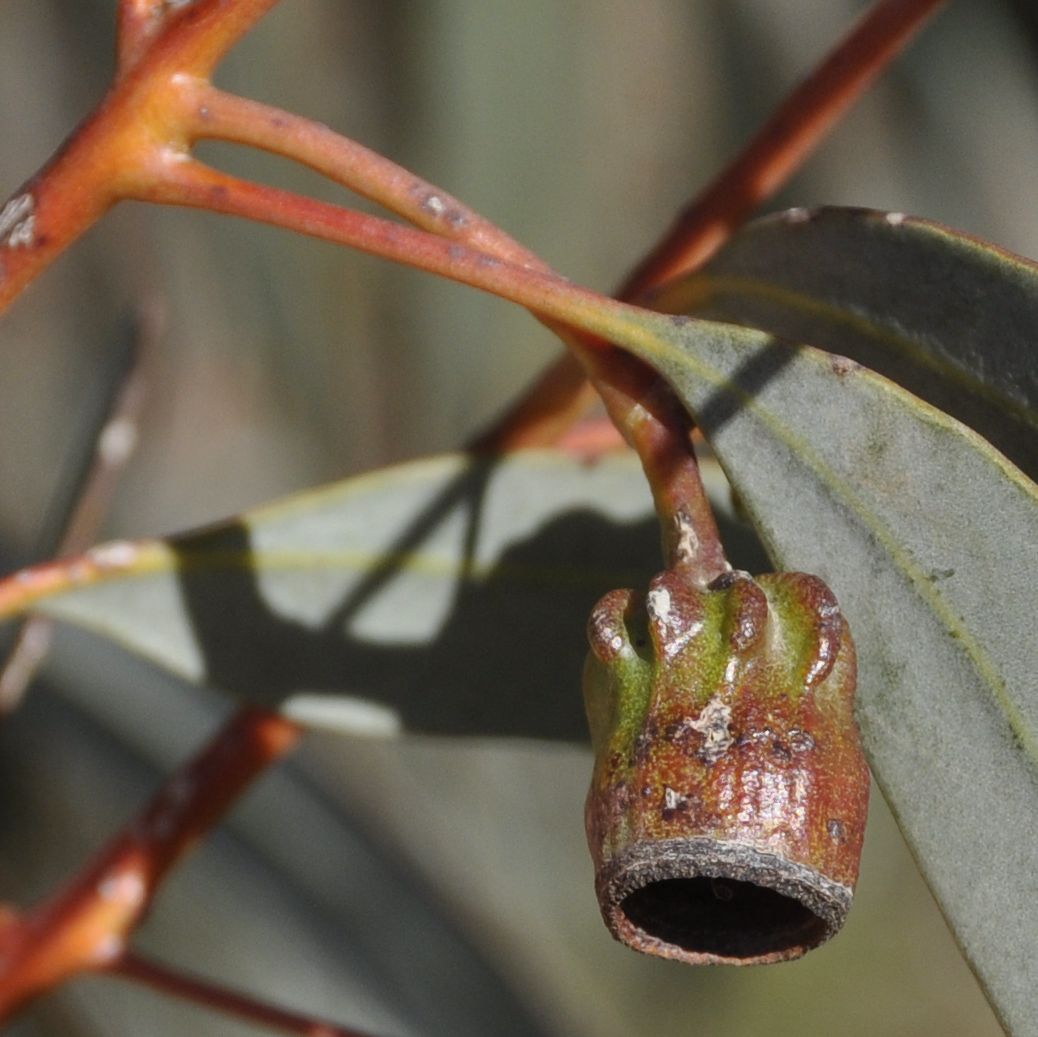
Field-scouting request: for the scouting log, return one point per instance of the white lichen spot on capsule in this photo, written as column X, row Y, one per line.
column 673, row 801
column 731, row 670
column 714, row 724
column 658, row 601
column 675, row 624
column 18, row 222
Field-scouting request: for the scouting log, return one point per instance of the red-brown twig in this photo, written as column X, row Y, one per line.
column 642, row 407
column 215, row 114
column 780, row 147
column 138, row 24
column 87, row 924
column 231, row 1002
column 113, row 150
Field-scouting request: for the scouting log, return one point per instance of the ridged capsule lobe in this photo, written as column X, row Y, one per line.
column 675, row 613
column 607, row 626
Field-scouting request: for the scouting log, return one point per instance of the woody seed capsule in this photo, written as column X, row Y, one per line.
column 728, row 801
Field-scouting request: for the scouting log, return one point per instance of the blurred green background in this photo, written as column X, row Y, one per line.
column 422, row 886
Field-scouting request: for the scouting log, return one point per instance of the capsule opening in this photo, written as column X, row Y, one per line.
column 723, row 919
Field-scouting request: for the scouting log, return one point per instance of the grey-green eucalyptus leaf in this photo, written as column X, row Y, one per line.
column 951, row 318
column 929, row 537
column 445, row 596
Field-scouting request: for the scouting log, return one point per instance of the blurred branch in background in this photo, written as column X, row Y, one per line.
column 90, row 487
column 176, row 984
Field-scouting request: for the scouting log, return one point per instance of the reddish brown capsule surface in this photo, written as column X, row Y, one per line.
column 728, row 802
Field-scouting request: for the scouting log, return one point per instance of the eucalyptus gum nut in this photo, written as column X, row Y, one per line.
column 728, row 801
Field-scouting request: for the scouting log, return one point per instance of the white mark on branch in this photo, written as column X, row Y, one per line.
column 18, row 222
column 127, row 889
column 687, row 546
column 440, row 209
column 797, row 215
column 120, row 554
column 117, row 441
column 434, row 205
column 713, row 723
column 895, row 219
column 109, row 949
column 674, row 802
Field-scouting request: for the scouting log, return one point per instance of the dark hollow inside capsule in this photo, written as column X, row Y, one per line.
column 713, row 901
column 723, row 917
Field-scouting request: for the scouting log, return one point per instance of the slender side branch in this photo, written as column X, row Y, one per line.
column 640, row 405
column 86, row 925
column 114, row 440
column 191, row 183
column 781, row 146
column 194, row 40
column 191, row 988
column 24, row 590
column 138, row 24
column 214, row 114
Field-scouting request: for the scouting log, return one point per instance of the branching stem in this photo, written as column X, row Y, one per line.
column 138, row 24
column 215, row 114
column 632, row 393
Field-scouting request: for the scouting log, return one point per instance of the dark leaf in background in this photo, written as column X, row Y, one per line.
column 950, row 318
